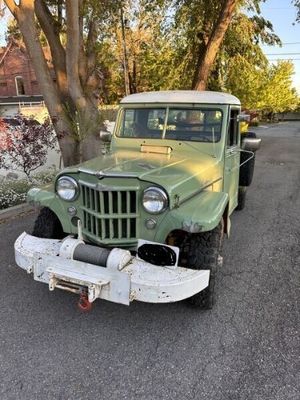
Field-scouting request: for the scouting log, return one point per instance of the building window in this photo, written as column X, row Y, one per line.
column 20, row 88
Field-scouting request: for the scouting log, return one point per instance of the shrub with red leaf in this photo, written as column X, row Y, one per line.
column 24, row 145
column 3, row 135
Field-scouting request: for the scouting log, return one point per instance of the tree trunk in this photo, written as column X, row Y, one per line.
column 208, row 52
column 57, row 112
column 73, row 111
column 125, row 61
column 87, row 117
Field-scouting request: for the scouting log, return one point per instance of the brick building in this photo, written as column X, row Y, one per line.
column 18, row 83
column 20, row 94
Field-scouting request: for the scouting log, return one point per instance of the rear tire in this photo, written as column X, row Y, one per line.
column 203, row 253
column 241, row 198
column 251, row 135
column 47, row 225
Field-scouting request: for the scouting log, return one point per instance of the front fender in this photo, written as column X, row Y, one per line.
column 200, row 214
column 45, row 197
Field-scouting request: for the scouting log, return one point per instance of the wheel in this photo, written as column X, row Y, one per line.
column 241, row 198
column 47, row 225
column 202, row 251
column 250, row 135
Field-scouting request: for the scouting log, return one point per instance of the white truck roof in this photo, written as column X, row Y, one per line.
column 182, row 96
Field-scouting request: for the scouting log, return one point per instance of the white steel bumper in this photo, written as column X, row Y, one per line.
column 124, row 279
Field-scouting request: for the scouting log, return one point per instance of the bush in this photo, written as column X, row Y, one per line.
column 13, row 193
column 24, row 145
column 109, row 112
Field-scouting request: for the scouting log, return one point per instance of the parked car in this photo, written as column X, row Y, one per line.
column 145, row 221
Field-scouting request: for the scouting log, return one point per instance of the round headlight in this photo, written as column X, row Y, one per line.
column 155, row 200
column 67, row 188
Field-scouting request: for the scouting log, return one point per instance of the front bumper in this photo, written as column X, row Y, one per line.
column 125, row 278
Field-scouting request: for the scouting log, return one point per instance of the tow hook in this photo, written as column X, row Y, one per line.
column 83, row 303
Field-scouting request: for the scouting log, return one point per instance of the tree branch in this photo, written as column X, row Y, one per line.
column 90, row 50
column 72, row 53
column 12, row 6
column 59, row 13
column 48, row 25
column 26, row 21
column 207, row 57
column 93, row 74
column 82, row 62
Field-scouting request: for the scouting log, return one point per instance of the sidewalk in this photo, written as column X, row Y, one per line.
column 14, row 212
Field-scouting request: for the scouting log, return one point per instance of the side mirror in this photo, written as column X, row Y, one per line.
column 105, row 136
column 243, row 118
column 251, row 144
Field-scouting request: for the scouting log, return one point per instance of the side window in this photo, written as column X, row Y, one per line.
column 233, row 130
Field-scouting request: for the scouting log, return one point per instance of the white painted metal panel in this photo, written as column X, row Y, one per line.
column 153, row 284
column 137, row 279
column 182, row 96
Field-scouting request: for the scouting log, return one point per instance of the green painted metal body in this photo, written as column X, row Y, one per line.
column 200, row 179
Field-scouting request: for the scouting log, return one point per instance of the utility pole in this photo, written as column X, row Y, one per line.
column 125, row 58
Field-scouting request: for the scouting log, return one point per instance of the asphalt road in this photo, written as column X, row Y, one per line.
column 246, row 348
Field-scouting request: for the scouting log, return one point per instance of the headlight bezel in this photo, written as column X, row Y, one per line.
column 164, row 196
column 73, row 181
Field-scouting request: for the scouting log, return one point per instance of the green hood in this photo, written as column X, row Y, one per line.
column 180, row 175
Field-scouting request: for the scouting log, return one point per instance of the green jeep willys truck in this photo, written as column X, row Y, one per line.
column 146, row 220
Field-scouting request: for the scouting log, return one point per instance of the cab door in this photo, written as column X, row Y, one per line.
column 232, row 158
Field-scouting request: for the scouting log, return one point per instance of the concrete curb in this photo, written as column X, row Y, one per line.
column 16, row 211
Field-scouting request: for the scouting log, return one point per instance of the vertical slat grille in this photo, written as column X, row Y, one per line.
column 109, row 214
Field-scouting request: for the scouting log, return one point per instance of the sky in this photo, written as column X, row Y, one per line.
column 281, row 13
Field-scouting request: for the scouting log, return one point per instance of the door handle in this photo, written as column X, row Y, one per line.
column 232, row 151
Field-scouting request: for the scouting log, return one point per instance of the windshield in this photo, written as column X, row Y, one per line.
column 186, row 124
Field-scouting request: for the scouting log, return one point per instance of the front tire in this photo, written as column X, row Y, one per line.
column 47, row 225
column 203, row 253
